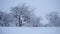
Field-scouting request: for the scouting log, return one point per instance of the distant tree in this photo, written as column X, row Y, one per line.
column 48, row 25
column 34, row 22
column 37, row 22
column 54, row 18
column 5, row 19
column 1, row 18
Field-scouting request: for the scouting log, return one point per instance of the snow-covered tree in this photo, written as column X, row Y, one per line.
column 54, row 18
column 6, row 19
column 22, row 12
column 25, row 16
column 3, row 19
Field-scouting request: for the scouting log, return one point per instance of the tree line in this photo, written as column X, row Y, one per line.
column 23, row 16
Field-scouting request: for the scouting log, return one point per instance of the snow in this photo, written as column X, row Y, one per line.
column 29, row 30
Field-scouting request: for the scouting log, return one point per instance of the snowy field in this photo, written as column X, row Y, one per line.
column 29, row 30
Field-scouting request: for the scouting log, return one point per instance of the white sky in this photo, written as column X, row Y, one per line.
column 42, row 6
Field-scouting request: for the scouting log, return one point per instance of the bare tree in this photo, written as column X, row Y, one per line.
column 25, row 16
column 54, row 18
column 22, row 12
column 5, row 19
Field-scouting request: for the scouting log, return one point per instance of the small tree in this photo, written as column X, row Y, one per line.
column 1, row 18
column 5, row 19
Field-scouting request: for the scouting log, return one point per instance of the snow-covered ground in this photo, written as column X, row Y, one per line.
column 29, row 30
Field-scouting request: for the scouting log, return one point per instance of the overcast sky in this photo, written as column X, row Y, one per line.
column 42, row 7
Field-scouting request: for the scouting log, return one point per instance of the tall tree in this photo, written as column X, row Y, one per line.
column 22, row 13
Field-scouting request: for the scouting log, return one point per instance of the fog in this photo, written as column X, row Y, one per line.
column 41, row 7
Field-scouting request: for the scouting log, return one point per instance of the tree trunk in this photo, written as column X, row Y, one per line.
column 20, row 21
